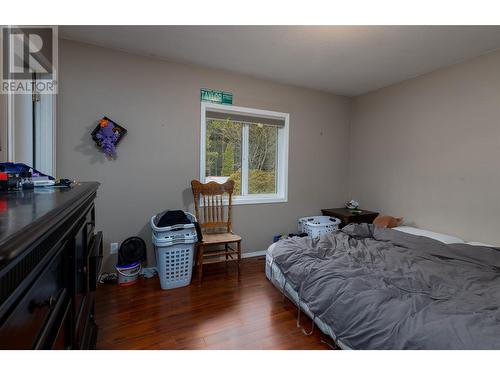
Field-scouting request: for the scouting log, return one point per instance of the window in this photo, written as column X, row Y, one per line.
column 249, row 146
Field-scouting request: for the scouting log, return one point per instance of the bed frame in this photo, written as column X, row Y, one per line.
column 276, row 277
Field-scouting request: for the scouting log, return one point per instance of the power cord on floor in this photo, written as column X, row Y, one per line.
column 107, row 278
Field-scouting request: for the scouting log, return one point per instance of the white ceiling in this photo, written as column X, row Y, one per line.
column 347, row 60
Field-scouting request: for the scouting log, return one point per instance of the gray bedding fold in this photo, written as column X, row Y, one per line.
column 384, row 289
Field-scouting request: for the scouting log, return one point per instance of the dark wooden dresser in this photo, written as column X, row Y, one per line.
column 50, row 257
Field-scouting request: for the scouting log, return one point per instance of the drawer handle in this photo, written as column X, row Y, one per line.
column 50, row 303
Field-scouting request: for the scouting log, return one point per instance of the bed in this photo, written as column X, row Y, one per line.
column 374, row 288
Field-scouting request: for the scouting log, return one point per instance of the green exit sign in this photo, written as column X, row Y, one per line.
column 216, row 96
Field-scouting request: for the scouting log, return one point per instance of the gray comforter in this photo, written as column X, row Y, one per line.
column 384, row 289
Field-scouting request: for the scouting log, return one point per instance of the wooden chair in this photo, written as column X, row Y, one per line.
column 215, row 224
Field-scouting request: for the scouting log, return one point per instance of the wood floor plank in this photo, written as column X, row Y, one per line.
column 222, row 313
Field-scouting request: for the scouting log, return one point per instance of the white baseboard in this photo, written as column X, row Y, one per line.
column 254, row 254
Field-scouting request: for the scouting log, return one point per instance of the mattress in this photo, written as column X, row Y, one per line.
column 279, row 281
column 377, row 288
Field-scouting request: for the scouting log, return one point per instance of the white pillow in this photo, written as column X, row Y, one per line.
column 427, row 233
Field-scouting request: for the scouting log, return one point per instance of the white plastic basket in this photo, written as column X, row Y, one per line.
column 175, row 265
column 174, row 233
column 174, row 251
column 173, row 238
column 156, row 218
column 316, row 226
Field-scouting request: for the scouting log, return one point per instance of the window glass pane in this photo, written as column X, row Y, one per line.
column 223, row 152
column 262, row 150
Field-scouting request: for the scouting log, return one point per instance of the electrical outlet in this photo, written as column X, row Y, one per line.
column 113, row 248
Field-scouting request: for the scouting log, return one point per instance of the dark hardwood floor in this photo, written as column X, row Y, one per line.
column 222, row 313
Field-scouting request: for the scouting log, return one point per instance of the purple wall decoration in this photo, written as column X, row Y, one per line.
column 107, row 135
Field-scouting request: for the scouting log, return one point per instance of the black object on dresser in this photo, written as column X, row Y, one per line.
column 348, row 216
column 50, row 258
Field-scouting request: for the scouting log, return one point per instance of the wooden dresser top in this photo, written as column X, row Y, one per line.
column 28, row 214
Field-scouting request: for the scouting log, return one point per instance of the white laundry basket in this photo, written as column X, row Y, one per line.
column 174, row 233
column 175, row 265
column 316, row 226
column 174, row 252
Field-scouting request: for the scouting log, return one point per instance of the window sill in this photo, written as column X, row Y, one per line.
column 258, row 199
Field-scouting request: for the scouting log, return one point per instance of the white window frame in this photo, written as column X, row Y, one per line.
column 281, row 195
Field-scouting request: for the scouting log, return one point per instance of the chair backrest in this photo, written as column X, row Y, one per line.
column 212, row 215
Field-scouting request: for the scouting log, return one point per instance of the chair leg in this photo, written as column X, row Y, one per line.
column 200, row 264
column 238, row 247
column 226, row 248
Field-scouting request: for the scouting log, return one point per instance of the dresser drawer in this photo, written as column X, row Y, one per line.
column 81, row 321
column 90, row 225
column 24, row 326
column 63, row 335
column 95, row 260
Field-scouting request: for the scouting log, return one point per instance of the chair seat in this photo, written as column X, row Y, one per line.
column 219, row 238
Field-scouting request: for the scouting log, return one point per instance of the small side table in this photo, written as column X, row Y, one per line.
column 347, row 216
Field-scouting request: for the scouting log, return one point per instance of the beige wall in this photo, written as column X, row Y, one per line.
column 158, row 102
column 428, row 149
